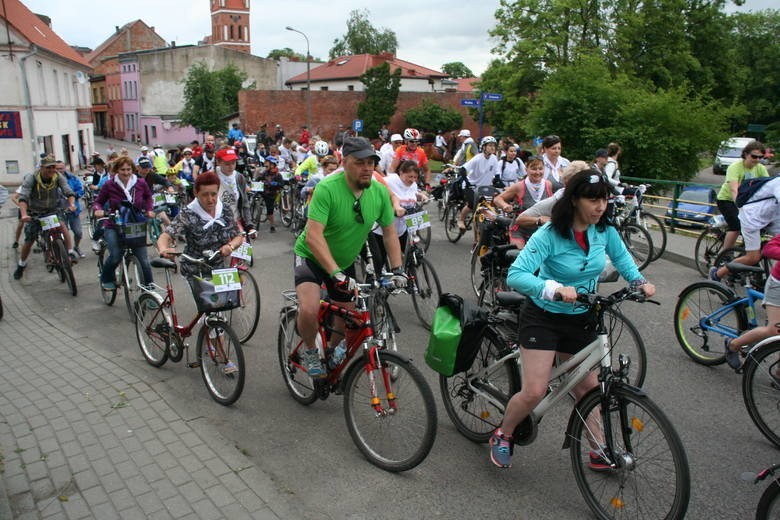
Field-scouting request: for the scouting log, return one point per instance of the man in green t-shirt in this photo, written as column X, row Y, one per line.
column 342, row 212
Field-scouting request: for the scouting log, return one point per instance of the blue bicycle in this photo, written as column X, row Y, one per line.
column 707, row 312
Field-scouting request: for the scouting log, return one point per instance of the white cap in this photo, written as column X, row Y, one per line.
column 464, row 133
column 144, row 148
column 187, row 150
column 396, row 137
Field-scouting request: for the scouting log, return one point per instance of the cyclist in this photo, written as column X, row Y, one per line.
column 387, row 152
column 126, row 187
column 72, row 218
column 772, row 304
column 186, row 166
column 468, row 148
column 569, row 253
column 206, row 162
column 511, row 168
column 524, row 195
column 273, row 182
column 233, row 190
column 40, row 194
column 100, row 175
column 746, row 168
column 153, row 180
column 411, row 151
column 600, row 159
column 342, row 212
column 482, row 170
column 554, row 164
column 311, row 164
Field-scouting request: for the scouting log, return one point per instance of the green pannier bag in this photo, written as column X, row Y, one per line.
column 455, row 335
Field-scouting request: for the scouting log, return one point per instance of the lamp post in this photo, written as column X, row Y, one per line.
column 308, row 78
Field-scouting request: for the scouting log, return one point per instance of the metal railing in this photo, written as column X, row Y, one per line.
column 663, row 193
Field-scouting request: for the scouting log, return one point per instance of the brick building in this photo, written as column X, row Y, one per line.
column 230, row 25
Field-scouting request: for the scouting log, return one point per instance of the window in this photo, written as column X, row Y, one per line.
column 102, row 95
column 350, row 87
column 12, row 167
column 231, row 32
column 323, row 88
column 238, row 27
column 154, row 132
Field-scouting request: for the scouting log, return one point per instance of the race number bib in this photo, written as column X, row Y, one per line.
column 286, row 175
column 225, row 280
column 257, row 186
column 88, row 179
column 244, row 252
column 49, row 222
column 184, row 184
column 134, row 229
column 417, row 221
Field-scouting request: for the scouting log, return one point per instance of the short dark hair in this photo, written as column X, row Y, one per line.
column 406, row 166
column 587, row 184
column 753, row 146
column 550, row 140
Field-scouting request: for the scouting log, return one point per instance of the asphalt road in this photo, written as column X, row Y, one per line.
column 309, row 455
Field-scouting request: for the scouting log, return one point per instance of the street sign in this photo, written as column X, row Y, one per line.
column 469, row 102
column 357, row 125
column 492, row 96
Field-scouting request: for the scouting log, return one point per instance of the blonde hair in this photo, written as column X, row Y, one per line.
column 573, row 168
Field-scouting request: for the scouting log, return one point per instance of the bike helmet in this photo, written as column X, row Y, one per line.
column 272, row 159
column 321, row 148
column 488, row 139
column 412, row 134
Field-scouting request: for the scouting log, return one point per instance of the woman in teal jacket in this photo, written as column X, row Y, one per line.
column 568, row 253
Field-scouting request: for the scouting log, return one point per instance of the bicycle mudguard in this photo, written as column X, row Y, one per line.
column 575, row 413
column 765, row 341
column 354, row 365
column 710, row 283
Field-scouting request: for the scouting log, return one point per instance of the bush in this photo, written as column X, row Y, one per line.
column 430, row 117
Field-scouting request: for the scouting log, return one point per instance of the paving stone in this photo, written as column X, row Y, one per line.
column 134, row 513
column 206, row 510
column 122, row 499
column 150, row 502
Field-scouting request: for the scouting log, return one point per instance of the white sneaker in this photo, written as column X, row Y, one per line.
column 95, row 246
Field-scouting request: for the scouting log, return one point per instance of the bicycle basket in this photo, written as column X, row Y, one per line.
column 208, row 300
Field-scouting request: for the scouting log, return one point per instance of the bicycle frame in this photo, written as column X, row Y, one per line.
column 711, row 322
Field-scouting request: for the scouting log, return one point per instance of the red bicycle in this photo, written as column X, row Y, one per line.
column 388, row 405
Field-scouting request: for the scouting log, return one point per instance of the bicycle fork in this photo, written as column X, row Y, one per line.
column 375, row 363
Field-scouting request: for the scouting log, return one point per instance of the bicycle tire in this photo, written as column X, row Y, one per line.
column 427, row 291
column 761, row 390
column 215, row 354
column 474, row 416
column 286, row 208
column 57, row 260
column 65, row 269
column 245, row 318
column 443, row 202
column 658, row 248
column 153, row 326
column 451, row 223
column 109, row 296
column 768, row 504
column 289, row 345
column 425, row 238
column 706, row 250
column 394, row 441
column 130, row 284
column 624, row 338
column 383, row 320
column 1, row 308
column 652, row 478
column 90, row 222
column 694, row 303
column 639, row 244
column 476, row 269
column 258, row 210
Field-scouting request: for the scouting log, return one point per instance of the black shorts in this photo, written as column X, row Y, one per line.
column 544, row 330
column 270, row 203
column 730, row 213
column 308, row 271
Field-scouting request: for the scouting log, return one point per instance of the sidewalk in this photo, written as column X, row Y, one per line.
column 81, row 437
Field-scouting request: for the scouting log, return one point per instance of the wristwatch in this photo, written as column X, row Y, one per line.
column 539, row 222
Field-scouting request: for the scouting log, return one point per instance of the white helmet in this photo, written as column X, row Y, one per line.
column 321, row 148
column 412, row 134
column 464, row 133
column 488, row 139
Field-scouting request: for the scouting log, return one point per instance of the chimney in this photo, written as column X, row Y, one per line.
column 117, row 28
column 173, row 43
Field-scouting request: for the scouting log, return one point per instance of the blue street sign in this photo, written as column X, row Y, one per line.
column 357, row 125
column 492, row 96
column 537, row 141
column 469, row 102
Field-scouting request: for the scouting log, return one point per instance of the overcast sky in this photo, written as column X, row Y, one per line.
column 430, row 33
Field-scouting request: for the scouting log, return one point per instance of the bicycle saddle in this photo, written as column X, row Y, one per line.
column 736, row 267
column 510, row 299
column 162, row 262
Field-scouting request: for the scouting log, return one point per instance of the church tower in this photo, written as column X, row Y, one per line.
column 230, row 24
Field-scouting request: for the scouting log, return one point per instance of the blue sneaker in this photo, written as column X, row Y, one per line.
column 714, row 274
column 732, row 356
column 108, row 286
column 311, row 360
column 501, row 449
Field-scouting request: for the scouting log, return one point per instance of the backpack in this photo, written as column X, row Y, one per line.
column 455, row 335
column 521, row 195
column 749, row 188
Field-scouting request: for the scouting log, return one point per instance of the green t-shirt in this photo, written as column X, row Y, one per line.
column 737, row 172
column 331, row 205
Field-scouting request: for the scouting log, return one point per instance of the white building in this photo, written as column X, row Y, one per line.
column 44, row 96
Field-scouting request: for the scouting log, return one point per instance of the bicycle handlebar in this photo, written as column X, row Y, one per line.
column 591, row 299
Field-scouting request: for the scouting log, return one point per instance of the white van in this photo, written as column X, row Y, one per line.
column 728, row 153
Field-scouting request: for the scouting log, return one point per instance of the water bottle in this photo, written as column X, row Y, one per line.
column 338, row 354
column 119, row 220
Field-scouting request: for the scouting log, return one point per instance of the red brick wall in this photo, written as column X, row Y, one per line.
column 329, row 108
column 136, row 38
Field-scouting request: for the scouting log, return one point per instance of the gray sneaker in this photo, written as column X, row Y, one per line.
column 311, row 360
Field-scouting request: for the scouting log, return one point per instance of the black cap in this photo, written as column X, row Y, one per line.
column 97, row 160
column 359, row 148
column 143, row 162
column 602, row 152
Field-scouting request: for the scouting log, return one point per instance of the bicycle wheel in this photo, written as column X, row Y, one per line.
column 451, row 223
column 289, row 348
column 425, row 238
column 401, row 435
column 768, row 504
column 258, row 210
column 625, row 339
column 638, row 243
column 706, row 250
column 442, row 203
column 64, row 268
column 90, row 220
column 131, row 283
column 286, row 208
column 476, row 269
column 650, row 477
column 426, row 292
column 383, row 320
column 244, row 319
column 474, row 416
column 659, row 246
column 109, row 296
column 761, row 389
column 693, row 327
column 153, row 327
column 221, row 361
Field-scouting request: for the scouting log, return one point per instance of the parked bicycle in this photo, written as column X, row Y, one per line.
column 636, row 238
column 218, row 350
column 50, row 240
column 648, row 472
column 388, row 405
column 631, row 211
column 709, row 244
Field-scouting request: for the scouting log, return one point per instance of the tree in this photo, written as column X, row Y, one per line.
column 204, row 103
column 287, row 52
column 382, row 89
column 231, row 79
column 363, row 38
column 430, row 117
column 758, row 53
column 456, row 69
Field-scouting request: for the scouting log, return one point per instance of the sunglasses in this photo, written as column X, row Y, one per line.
column 358, row 211
column 411, row 141
column 754, row 156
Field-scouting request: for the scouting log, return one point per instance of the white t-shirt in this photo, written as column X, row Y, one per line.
column 407, row 198
column 386, row 154
column 512, row 170
column 553, row 172
column 482, row 170
column 755, row 216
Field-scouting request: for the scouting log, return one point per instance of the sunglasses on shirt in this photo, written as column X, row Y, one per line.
column 358, row 212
